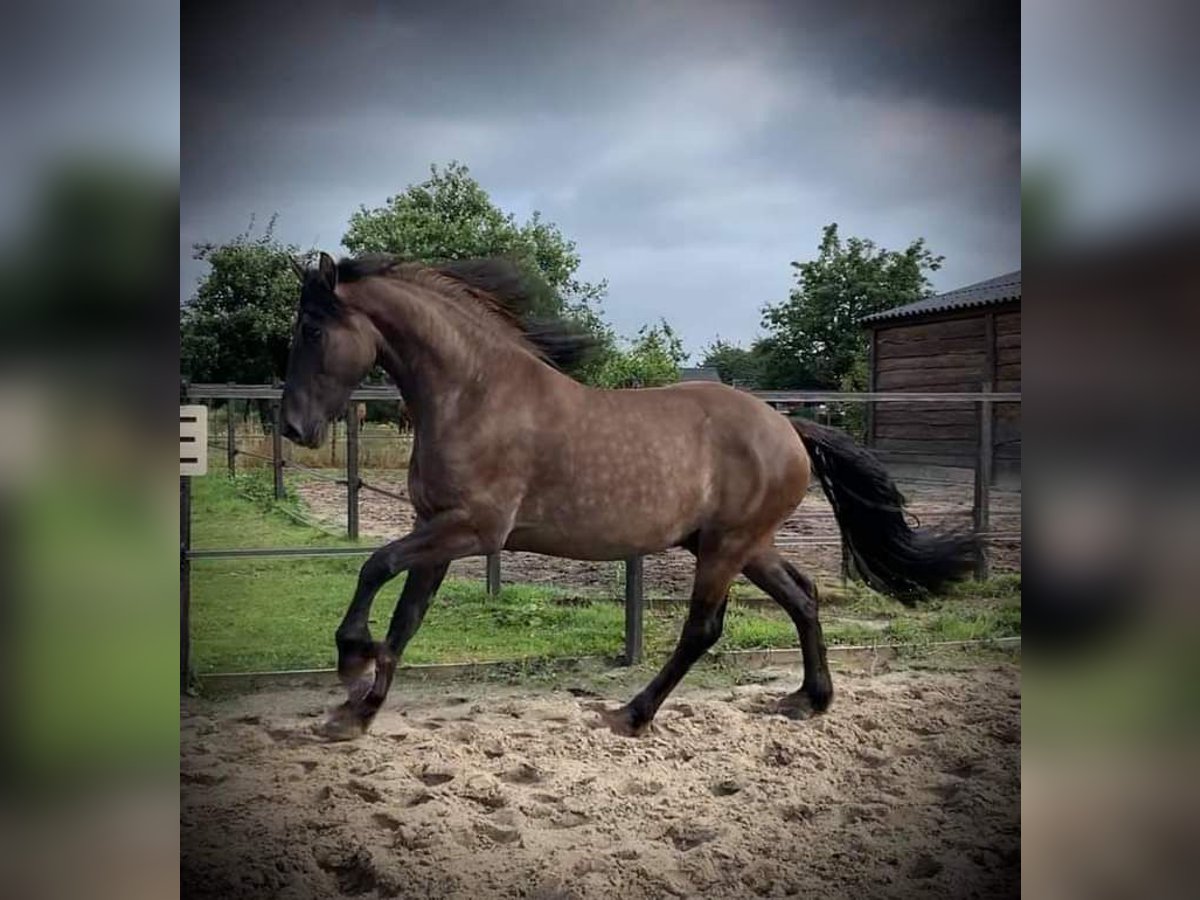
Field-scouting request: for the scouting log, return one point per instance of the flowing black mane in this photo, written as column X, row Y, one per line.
column 500, row 286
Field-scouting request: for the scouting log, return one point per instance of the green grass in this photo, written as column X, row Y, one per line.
column 273, row 614
column 242, row 512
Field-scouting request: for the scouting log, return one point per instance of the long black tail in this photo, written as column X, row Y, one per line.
column 892, row 557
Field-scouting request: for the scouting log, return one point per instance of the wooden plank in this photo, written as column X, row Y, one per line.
column 1008, row 341
column 917, row 431
column 923, row 446
column 972, row 327
column 871, row 365
column 1008, row 355
column 1008, row 323
column 1009, row 371
column 929, row 348
column 989, row 348
column 967, row 359
column 1009, row 419
column 961, row 377
column 898, row 415
column 950, row 460
column 1006, row 430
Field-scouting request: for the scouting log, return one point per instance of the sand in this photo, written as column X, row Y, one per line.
column 908, row 787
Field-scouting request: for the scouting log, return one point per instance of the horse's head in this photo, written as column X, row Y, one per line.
column 333, row 348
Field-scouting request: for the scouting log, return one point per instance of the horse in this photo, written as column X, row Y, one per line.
column 511, row 453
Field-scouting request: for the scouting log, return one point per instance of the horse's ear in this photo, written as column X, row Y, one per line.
column 327, row 272
column 301, row 271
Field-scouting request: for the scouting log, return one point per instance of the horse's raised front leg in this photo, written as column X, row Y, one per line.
column 367, row 694
column 797, row 594
column 432, row 544
column 717, row 562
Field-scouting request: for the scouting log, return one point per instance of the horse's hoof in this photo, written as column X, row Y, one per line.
column 354, row 672
column 621, row 721
column 797, row 705
column 819, row 694
column 343, row 724
column 356, row 690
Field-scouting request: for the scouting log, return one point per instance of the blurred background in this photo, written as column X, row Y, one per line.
column 88, row 217
column 1110, row 133
column 89, row 201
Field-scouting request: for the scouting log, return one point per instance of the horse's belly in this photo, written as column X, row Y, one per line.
column 606, row 527
column 588, row 546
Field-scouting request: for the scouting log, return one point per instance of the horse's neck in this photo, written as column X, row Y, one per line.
column 437, row 368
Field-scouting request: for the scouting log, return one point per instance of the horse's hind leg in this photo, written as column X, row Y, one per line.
column 717, row 562
column 797, row 594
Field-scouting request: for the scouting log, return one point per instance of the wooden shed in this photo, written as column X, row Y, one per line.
column 953, row 342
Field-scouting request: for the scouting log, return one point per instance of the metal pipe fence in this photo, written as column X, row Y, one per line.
column 634, row 572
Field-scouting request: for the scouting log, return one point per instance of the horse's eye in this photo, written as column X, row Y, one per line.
column 310, row 332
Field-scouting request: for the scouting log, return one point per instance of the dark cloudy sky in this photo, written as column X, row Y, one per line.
column 692, row 150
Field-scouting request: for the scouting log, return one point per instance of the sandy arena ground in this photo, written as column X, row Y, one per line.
column 908, row 787
column 809, row 538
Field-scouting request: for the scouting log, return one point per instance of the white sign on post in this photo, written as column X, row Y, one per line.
column 193, row 440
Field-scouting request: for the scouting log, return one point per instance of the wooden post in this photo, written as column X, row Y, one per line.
column 983, row 481
column 634, row 601
column 277, row 447
column 352, row 480
column 493, row 574
column 185, row 584
column 869, row 437
column 230, row 437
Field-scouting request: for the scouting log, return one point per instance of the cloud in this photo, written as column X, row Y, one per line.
column 691, row 150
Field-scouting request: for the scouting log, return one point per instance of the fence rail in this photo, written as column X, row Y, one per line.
column 634, row 579
column 390, row 392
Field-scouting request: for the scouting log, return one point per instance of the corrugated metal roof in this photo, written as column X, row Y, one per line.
column 982, row 293
column 699, row 373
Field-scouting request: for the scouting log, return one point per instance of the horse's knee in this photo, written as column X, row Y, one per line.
column 703, row 633
column 377, row 569
column 807, row 607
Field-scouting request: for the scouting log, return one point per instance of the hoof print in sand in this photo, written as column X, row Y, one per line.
column 433, row 774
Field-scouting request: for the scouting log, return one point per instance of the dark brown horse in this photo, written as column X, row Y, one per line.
column 511, row 453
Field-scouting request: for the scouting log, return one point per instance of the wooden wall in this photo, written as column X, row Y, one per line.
column 955, row 352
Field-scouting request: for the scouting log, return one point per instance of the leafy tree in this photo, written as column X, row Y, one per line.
column 779, row 367
column 451, row 216
column 818, row 324
column 734, row 364
column 238, row 325
column 651, row 359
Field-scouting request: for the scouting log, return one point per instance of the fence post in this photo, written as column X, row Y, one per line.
column 493, row 574
column 230, row 437
column 277, row 446
column 634, row 601
column 983, row 482
column 352, row 481
column 185, row 584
